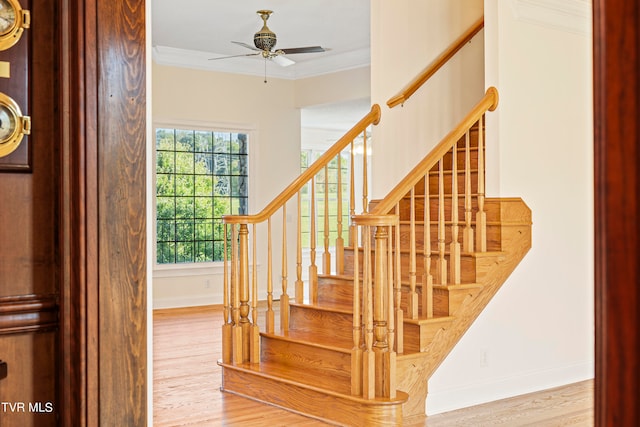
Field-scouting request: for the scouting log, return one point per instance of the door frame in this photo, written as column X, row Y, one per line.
column 94, row 295
column 616, row 43
column 103, row 292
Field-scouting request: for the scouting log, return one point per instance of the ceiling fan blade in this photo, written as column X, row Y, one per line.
column 282, row 61
column 234, row 56
column 248, row 46
column 309, row 49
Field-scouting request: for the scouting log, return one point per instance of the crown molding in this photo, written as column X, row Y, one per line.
column 566, row 15
column 330, row 63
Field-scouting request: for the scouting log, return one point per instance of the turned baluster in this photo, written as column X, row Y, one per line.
column 227, row 350
column 353, row 237
column 412, row 303
column 235, row 298
column 398, row 287
column 365, row 175
column 243, row 288
column 481, row 215
column 284, row 298
column 454, row 246
column 255, row 330
column 269, row 315
column 396, row 330
column 339, row 239
column 299, row 286
column 427, row 278
column 313, row 268
column 467, row 237
column 368, row 358
column 442, row 262
column 356, row 351
column 326, row 256
column 390, row 290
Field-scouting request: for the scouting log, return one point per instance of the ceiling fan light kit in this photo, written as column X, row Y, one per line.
column 265, row 41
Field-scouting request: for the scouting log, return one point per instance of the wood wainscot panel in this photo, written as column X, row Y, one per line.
column 29, row 313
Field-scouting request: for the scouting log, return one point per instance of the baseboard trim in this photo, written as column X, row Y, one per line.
column 198, row 300
column 445, row 400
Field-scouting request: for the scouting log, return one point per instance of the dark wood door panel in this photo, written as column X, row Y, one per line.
column 29, row 201
column 29, row 231
column 27, row 394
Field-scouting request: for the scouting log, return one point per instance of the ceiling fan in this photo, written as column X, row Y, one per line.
column 265, row 42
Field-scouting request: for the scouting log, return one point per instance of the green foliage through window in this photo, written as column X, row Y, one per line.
column 200, row 176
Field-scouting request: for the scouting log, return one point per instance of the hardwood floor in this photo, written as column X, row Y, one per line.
column 186, row 387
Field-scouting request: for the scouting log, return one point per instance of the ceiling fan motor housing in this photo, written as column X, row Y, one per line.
column 265, row 39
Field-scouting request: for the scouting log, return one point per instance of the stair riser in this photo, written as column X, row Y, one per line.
column 335, row 292
column 467, row 266
column 405, row 209
column 493, row 236
column 473, row 157
column 446, row 301
column 299, row 355
column 328, row 326
column 418, row 337
column 434, row 183
column 314, row 403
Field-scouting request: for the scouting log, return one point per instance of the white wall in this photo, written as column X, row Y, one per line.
column 333, row 88
column 537, row 333
column 406, row 36
column 270, row 113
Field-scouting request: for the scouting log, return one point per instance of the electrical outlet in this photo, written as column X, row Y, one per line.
column 484, row 358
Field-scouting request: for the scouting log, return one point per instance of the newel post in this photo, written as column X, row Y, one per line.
column 379, row 361
column 238, row 333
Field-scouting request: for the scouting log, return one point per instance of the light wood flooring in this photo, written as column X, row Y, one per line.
column 186, row 387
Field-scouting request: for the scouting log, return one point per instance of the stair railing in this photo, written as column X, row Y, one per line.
column 240, row 331
column 431, row 69
column 443, row 200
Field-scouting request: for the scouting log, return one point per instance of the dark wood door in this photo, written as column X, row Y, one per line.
column 29, row 216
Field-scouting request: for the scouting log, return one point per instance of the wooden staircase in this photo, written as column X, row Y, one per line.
column 374, row 329
column 415, row 270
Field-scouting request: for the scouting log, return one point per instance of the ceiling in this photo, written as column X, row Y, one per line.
column 201, row 29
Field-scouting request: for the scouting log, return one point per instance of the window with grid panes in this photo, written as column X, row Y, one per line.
column 200, row 176
column 307, row 157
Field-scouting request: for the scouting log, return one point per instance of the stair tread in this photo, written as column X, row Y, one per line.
column 426, row 321
column 330, row 384
column 310, row 339
column 461, row 223
column 312, row 381
column 322, row 307
column 435, row 252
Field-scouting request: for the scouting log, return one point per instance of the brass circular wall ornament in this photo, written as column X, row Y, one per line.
column 13, row 125
column 13, row 21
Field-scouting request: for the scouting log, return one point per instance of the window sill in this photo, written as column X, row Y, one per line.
column 188, row 269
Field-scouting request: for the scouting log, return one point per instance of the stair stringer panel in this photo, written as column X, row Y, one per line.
column 492, row 271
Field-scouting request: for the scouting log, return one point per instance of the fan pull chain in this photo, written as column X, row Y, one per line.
column 265, row 70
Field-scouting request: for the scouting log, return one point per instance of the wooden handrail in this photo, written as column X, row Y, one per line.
column 489, row 102
column 432, row 68
column 372, row 118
